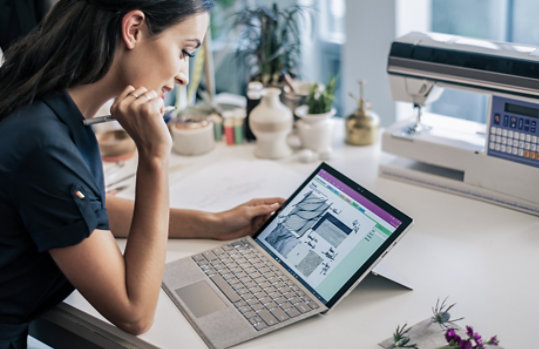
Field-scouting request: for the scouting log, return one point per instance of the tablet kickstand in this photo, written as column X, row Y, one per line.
column 386, row 273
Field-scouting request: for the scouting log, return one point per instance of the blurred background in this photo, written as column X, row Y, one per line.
column 344, row 38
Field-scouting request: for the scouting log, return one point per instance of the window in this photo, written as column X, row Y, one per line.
column 331, row 37
column 498, row 20
column 332, row 20
column 321, row 45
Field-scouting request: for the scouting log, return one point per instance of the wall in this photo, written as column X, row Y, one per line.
column 371, row 26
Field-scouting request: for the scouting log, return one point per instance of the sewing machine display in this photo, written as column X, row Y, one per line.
column 497, row 161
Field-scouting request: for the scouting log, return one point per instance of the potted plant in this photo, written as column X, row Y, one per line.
column 320, row 101
column 315, row 127
column 269, row 41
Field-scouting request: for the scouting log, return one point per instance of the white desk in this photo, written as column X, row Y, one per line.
column 482, row 256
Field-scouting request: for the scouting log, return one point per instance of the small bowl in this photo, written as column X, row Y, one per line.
column 193, row 135
column 115, row 145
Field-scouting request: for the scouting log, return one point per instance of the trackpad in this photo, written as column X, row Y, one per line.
column 201, row 299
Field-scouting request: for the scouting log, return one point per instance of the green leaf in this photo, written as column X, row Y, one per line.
column 321, row 102
column 269, row 35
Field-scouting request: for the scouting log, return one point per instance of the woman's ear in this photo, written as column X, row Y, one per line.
column 132, row 25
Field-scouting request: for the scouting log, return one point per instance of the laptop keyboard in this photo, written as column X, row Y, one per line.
column 260, row 291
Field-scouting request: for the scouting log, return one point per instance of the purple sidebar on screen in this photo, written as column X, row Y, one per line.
column 360, row 199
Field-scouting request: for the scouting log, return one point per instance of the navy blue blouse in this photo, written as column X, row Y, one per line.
column 51, row 195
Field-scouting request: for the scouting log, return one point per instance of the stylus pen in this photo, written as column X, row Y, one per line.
column 107, row 118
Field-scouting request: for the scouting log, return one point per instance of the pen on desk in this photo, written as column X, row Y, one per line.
column 100, row 119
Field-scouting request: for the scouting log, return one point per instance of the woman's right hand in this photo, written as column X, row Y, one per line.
column 140, row 112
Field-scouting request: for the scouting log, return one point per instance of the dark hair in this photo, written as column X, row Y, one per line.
column 75, row 45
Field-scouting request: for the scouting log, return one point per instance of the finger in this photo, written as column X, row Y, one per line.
column 151, row 102
column 137, row 93
column 128, row 90
column 146, row 96
column 121, row 97
column 125, row 99
column 265, row 209
column 259, row 201
column 142, row 98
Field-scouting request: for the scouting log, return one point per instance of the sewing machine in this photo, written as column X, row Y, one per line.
column 497, row 161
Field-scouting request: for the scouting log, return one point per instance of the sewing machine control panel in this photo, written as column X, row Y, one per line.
column 514, row 131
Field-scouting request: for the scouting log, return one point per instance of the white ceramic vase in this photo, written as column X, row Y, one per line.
column 271, row 122
column 315, row 131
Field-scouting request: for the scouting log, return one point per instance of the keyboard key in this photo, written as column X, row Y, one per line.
column 244, row 309
column 249, row 314
column 226, row 274
column 232, row 280
column 225, row 288
column 259, row 325
column 236, row 244
column 268, row 288
column 302, row 307
column 255, row 319
column 218, row 251
column 238, row 286
column 264, row 270
column 312, row 304
column 280, row 300
column 286, row 305
column 257, row 307
column 210, row 255
column 294, row 299
column 270, row 305
column 287, row 293
column 269, row 319
column 260, row 294
column 259, row 280
column 250, row 284
column 292, row 312
column 265, row 285
column 251, row 300
column 273, row 294
column 255, row 289
column 279, row 314
column 247, row 295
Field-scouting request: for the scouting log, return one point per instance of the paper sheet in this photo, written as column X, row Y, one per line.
column 223, row 185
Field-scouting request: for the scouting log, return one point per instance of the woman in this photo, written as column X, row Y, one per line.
column 56, row 228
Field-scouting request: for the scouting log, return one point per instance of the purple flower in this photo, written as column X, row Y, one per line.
column 494, row 341
column 452, row 337
column 469, row 331
column 478, row 340
column 467, row 344
column 474, row 340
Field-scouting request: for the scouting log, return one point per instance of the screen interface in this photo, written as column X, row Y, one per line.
column 326, row 233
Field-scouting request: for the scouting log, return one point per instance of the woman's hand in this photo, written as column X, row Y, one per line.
column 140, row 112
column 245, row 219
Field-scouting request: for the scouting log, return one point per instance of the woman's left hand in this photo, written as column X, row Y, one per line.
column 246, row 218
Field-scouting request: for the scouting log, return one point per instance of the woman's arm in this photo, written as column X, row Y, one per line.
column 239, row 221
column 125, row 289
